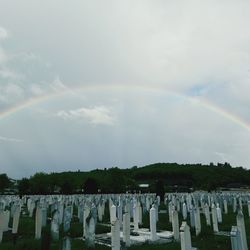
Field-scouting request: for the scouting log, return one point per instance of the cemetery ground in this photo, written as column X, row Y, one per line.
column 206, row 240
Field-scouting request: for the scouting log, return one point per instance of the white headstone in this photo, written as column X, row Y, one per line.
column 197, row 220
column 126, row 229
column 207, row 214
column 185, row 237
column 175, row 225
column 115, row 235
column 16, row 219
column 241, row 227
column 184, row 211
column 38, row 223
column 214, row 219
column 112, row 213
column 153, row 235
column 90, row 232
column 236, row 241
column 219, row 214
column 225, row 206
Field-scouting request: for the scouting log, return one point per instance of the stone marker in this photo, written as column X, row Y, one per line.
column 241, row 227
column 185, row 236
column 207, row 214
column 236, row 242
column 152, row 214
column 197, row 220
column 115, row 235
column 218, row 212
column 175, row 225
column 38, row 223
column 248, row 208
column 184, row 211
column 55, row 226
column 214, row 219
column 225, row 206
column 112, row 213
column 1, row 225
column 66, row 243
column 126, row 229
column 90, row 231
column 16, row 219
column 67, row 219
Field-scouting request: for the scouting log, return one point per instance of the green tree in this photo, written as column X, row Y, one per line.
column 67, row 187
column 90, row 186
column 24, row 186
column 4, row 182
column 159, row 189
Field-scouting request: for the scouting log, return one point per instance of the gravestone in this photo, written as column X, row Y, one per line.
column 126, row 229
column 66, row 243
column 112, row 213
column 197, row 220
column 184, row 211
column 241, row 227
column 67, row 219
column 38, row 223
column 207, row 214
column 175, row 225
column 214, row 219
column 236, row 241
column 153, row 235
column 218, row 212
column 86, row 212
column 1, row 225
column 248, row 208
column 185, row 236
column 16, row 219
column 225, row 206
column 115, row 235
column 90, row 231
column 55, row 226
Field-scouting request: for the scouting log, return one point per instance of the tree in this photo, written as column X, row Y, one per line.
column 4, row 182
column 67, row 187
column 90, row 186
column 24, row 186
column 39, row 183
column 159, row 189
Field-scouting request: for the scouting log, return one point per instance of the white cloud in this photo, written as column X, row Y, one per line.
column 3, row 33
column 8, row 139
column 99, row 115
column 36, row 89
column 57, row 85
column 11, row 93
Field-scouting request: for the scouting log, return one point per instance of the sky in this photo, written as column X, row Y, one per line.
column 95, row 84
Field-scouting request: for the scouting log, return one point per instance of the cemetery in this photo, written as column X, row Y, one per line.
column 185, row 221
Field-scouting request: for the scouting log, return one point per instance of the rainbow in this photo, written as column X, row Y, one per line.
column 198, row 101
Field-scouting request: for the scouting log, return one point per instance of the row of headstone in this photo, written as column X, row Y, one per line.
column 124, row 208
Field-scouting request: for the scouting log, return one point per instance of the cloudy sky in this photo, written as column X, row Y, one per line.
column 94, row 84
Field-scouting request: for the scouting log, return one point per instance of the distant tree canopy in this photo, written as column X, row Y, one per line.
column 4, row 182
column 24, row 186
column 67, row 187
column 159, row 188
column 90, row 186
column 159, row 176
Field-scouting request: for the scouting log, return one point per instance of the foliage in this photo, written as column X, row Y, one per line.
column 4, row 182
column 90, row 186
column 160, row 177
column 24, row 186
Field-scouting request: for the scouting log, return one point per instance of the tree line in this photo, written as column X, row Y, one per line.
column 160, row 177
